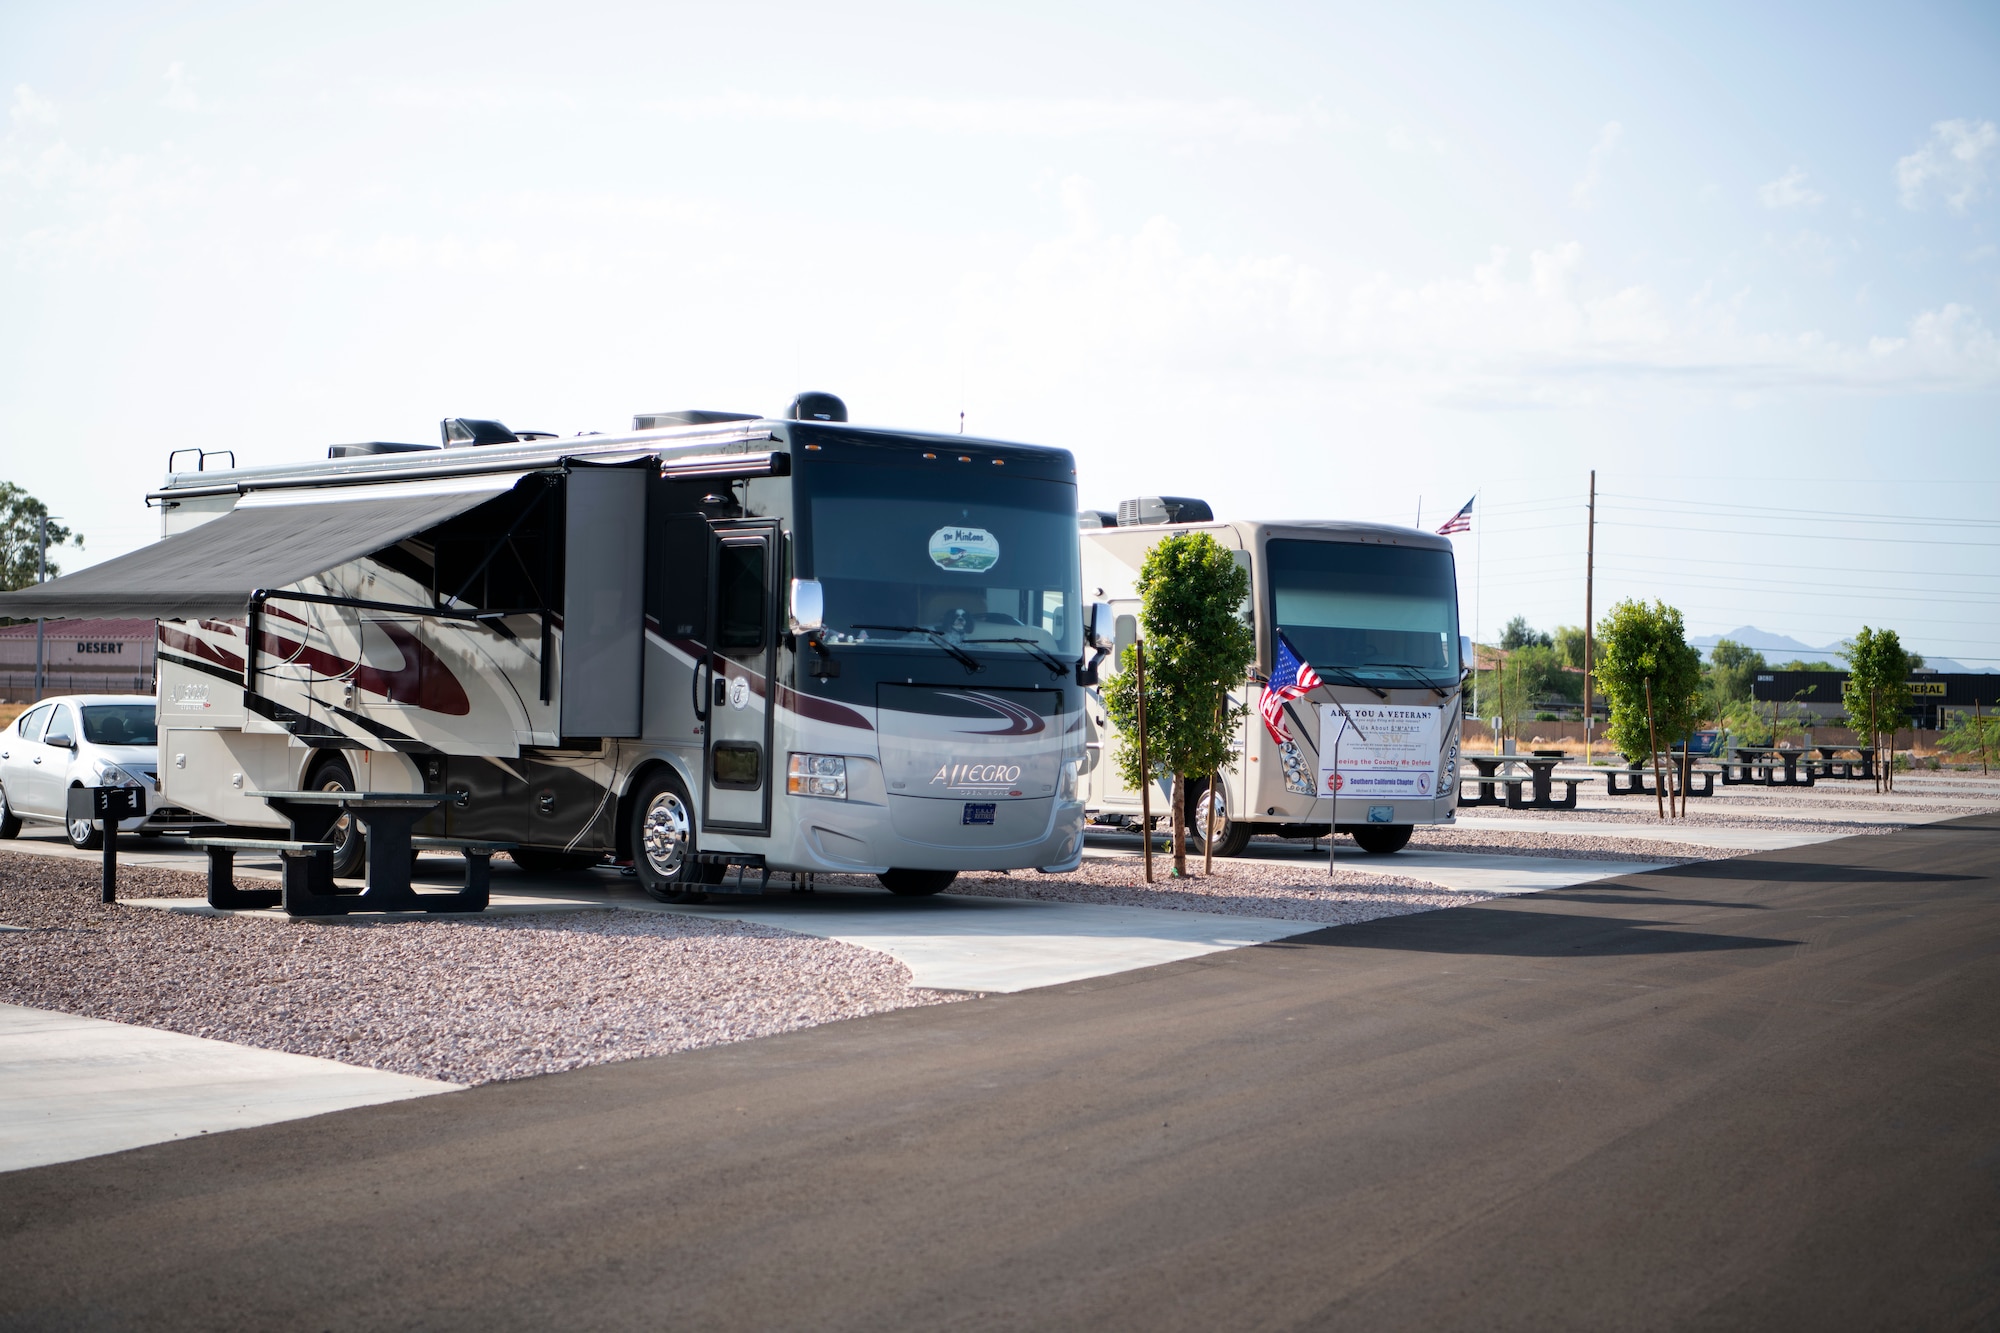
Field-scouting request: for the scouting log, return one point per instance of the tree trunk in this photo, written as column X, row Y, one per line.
column 1179, row 798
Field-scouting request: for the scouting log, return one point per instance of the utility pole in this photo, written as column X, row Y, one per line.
column 41, row 573
column 1589, row 629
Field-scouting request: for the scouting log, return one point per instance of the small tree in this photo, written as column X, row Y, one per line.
column 1519, row 634
column 1876, row 694
column 1638, row 645
column 1569, row 646
column 20, row 537
column 1731, row 669
column 1504, row 694
column 1197, row 647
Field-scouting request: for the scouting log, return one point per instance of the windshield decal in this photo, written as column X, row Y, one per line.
column 964, row 550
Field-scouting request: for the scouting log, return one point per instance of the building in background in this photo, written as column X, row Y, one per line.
column 1935, row 696
column 79, row 657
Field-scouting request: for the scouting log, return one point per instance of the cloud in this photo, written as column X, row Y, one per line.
column 1955, row 163
column 179, row 95
column 30, row 108
column 1535, row 331
column 1789, row 191
column 1584, row 193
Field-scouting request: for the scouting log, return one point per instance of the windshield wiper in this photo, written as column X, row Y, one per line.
column 1428, row 683
column 1047, row 658
column 1353, row 679
column 966, row 659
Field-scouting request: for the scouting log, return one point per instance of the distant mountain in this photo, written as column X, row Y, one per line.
column 1784, row 648
column 1778, row 647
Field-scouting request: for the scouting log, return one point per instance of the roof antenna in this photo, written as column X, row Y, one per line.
column 961, row 421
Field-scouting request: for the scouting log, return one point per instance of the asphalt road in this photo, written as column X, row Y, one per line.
column 1762, row 1092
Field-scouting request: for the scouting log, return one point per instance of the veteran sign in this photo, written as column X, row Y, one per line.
column 1384, row 750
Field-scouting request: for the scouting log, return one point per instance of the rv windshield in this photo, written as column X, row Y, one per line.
column 1385, row 615
column 931, row 557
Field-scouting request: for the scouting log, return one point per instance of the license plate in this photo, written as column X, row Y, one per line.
column 1381, row 814
column 977, row 813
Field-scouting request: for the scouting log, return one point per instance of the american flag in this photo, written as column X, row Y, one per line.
column 1291, row 676
column 1459, row 522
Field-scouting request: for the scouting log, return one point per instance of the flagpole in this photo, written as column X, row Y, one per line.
column 1478, row 569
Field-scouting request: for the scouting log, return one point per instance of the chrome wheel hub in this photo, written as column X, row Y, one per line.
column 664, row 833
column 1210, row 816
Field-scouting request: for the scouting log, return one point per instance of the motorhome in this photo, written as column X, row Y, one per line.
column 1372, row 750
column 717, row 640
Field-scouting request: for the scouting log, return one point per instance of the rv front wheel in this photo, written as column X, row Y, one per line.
column 1381, row 839
column 663, row 846
column 1210, row 817
column 350, row 845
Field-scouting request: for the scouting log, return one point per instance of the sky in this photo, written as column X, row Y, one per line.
column 1305, row 261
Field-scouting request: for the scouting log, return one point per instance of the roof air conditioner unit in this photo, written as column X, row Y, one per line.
column 1163, row 509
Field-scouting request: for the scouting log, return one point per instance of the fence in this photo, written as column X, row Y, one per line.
column 19, row 686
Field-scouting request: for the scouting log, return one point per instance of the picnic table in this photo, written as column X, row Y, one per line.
column 1759, row 764
column 1536, row 791
column 1489, row 777
column 1831, row 765
column 1698, row 782
column 388, row 818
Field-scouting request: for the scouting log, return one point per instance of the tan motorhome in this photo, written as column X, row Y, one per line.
column 1373, row 610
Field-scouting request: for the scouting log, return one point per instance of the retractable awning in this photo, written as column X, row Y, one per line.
column 269, row 540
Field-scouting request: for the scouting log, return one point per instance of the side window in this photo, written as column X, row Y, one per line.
column 740, row 587
column 32, row 722
column 61, row 726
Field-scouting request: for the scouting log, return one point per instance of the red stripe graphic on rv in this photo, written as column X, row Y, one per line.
column 423, row 679
column 805, row 705
column 1020, row 721
column 200, row 648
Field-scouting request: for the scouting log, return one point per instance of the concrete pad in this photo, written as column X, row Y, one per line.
column 77, row 1087
column 1501, row 874
column 954, row 942
column 1461, row 872
column 1721, row 839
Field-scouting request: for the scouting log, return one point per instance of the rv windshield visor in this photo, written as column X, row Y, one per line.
column 1386, row 615
column 991, row 566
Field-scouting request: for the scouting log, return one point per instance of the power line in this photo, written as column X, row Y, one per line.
column 1855, row 516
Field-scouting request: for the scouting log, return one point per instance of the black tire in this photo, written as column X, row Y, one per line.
column 350, row 844
column 542, row 860
column 1233, row 838
column 10, row 823
column 917, row 883
column 86, row 835
column 663, row 842
column 1381, row 839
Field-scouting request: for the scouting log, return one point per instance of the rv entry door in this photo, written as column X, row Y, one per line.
column 736, row 774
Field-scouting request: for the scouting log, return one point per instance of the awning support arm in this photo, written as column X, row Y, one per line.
column 527, row 509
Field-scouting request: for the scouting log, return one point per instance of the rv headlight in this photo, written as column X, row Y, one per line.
column 1298, row 778
column 1066, row 782
column 817, row 775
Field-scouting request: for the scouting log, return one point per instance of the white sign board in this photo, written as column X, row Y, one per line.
column 1384, row 749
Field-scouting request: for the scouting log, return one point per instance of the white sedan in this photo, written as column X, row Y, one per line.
column 81, row 740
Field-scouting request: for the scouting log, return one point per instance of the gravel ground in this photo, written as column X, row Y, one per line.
column 469, row 1002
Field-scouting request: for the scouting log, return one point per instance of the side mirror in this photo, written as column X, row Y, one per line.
column 1097, row 629
column 1465, row 658
column 60, row 742
column 808, row 606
